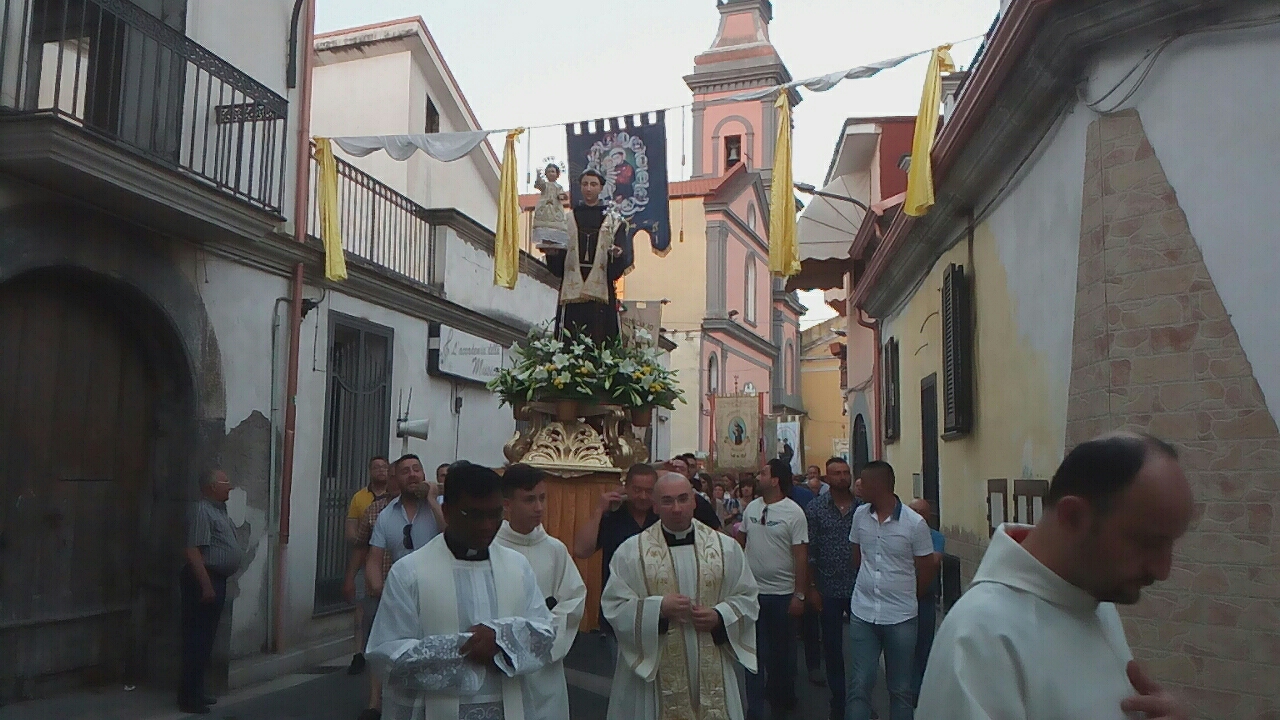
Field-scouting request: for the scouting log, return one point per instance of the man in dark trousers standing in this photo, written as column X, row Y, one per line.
column 213, row 554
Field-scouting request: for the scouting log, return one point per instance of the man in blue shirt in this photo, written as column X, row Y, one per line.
column 928, row 620
column 830, row 519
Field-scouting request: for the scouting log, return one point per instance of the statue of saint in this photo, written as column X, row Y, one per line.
column 599, row 253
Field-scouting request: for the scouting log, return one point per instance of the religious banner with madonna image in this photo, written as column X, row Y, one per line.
column 632, row 157
column 736, row 431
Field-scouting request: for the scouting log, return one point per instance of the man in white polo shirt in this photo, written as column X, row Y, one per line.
column 776, row 534
column 893, row 552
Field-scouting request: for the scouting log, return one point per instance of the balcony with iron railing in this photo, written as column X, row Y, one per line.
column 102, row 101
column 400, row 240
column 384, row 227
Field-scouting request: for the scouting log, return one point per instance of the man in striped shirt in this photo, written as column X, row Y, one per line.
column 213, row 554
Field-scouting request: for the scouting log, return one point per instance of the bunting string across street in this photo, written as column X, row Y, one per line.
column 644, row 211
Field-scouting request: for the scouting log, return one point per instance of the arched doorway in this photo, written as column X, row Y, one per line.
column 95, row 409
column 861, row 445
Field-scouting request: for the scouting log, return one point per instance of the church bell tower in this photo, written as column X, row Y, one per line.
column 727, row 132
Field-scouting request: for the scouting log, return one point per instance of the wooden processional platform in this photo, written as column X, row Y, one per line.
column 570, row 502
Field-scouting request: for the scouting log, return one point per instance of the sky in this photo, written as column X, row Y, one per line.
column 525, row 63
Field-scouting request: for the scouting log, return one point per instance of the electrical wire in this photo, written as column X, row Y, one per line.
column 1153, row 56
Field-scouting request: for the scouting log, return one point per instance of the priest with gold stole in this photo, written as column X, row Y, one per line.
column 682, row 601
column 462, row 628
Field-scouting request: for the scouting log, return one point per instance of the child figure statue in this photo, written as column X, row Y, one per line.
column 550, row 231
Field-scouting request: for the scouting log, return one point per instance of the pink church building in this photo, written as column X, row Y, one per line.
column 735, row 327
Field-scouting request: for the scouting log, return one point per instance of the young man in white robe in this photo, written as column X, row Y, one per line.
column 524, row 491
column 682, row 601
column 462, row 625
column 1037, row 635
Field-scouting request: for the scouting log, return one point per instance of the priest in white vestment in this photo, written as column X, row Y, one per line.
column 1037, row 635
column 682, row 601
column 462, row 626
column 524, row 490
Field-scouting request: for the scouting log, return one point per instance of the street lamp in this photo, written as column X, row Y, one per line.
column 808, row 189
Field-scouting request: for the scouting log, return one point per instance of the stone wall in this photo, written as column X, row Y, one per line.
column 1154, row 349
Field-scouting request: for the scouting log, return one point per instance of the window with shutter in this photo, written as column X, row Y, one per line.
column 957, row 353
column 892, row 396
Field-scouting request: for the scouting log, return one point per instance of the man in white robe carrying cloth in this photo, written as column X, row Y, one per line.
column 682, row 602
column 524, row 490
column 462, row 625
column 1037, row 636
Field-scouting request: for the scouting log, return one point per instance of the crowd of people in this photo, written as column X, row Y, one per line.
column 467, row 607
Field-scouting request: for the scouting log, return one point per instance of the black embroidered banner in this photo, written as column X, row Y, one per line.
column 632, row 156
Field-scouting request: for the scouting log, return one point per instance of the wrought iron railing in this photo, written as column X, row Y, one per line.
column 124, row 75
column 380, row 224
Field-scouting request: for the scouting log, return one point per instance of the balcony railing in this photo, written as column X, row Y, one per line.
column 123, row 75
column 380, row 225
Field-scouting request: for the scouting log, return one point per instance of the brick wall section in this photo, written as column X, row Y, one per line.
column 1154, row 349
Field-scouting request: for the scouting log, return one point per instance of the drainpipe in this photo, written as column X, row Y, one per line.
column 300, row 195
column 874, row 326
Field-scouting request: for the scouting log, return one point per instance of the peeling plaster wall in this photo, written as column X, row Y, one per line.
column 239, row 301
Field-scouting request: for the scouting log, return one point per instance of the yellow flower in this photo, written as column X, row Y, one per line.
column 558, row 382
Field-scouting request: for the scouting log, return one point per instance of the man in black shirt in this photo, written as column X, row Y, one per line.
column 597, row 320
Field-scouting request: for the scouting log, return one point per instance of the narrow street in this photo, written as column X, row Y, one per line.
column 328, row 693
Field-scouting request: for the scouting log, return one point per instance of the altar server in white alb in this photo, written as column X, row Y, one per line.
column 682, row 601
column 524, row 490
column 1037, row 636
column 462, row 627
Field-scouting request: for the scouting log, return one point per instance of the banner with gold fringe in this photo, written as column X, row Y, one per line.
column 506, row 245
column 784, row 253
column 335, row 261
column 920, row 177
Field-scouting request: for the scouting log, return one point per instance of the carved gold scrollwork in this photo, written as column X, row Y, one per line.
column 604, row 441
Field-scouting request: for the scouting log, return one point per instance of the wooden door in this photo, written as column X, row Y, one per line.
column 75, row 420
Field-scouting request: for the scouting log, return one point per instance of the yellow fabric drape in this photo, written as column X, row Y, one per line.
column 920, row 177
column 506, row 248
column 335, row 262
column 784, row 254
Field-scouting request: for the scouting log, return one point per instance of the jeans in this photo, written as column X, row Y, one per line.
column 835, row 613
column 199, row 627
column 809, row 633
column 775, row 679
column 867, row 641
column 928, row 627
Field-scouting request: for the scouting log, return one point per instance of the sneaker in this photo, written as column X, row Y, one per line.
column 357, row 664
column 193, row 708
column 370, row 714
column 815, row 677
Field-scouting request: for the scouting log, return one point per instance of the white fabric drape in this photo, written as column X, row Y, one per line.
column 823, row 83
column 445, row 147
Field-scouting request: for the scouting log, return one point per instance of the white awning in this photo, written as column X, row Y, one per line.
column 825, row 231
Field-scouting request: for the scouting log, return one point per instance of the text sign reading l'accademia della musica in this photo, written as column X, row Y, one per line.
column 464, row 355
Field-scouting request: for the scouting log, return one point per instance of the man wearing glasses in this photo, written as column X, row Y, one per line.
column 407, row 523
